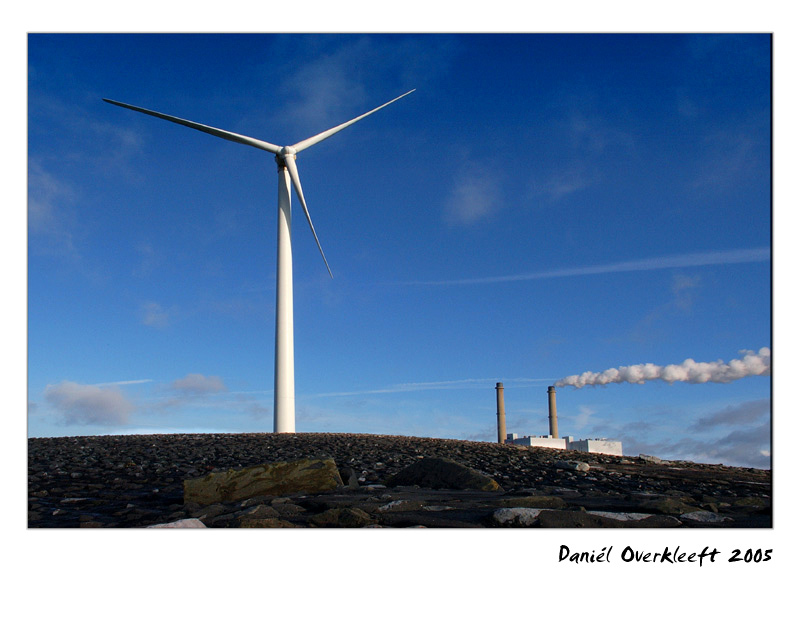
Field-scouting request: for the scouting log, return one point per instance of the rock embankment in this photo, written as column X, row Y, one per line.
column 139, row 481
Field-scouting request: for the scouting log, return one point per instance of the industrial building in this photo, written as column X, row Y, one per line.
column 595, row 446
column 552, row 440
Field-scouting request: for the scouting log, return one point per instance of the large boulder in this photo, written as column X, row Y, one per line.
column 439, row 473
column 285, row 477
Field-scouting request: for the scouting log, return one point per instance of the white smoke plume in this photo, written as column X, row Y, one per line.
column 690, row 371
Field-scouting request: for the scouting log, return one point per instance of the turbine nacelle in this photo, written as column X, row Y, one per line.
column 280, row 156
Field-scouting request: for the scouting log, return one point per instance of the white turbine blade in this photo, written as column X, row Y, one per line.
column 226, row 135
column 292, row 166
column 326, row 134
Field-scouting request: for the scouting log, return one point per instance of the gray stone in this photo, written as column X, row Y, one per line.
column 516, row 516
column 401, row 506
column 621, row 516
column 653, row 459
column 441, row 473
column 183, row 523
column 575, row 466
column 705, row 517
column 286, row 477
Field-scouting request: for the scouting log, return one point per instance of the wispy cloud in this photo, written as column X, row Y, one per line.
column 731, row 156
column 475, row 195
column 153, row 315
column 345, row 77
column 683, row 294
column 710, row 258
column 746, row 413
column 566, row 182
column 591, row 133
column 683, row 288
column 150, row 260
column 744, row 446
column 50, row 220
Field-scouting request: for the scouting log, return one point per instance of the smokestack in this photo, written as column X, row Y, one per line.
column 551, row 395
column 501, row 414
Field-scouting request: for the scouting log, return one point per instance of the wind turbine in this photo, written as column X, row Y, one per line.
column 284, row 312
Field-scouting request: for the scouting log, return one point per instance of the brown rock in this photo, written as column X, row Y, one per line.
column 285, row 477
column 670, row 506
column 341, row 517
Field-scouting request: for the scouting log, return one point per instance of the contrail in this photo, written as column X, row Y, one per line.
column 100, row 385
column 711, row 258
column 461, row 384
column 690, row 371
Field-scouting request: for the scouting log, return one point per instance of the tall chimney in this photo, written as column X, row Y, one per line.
column 501, row 414
column 551, row 395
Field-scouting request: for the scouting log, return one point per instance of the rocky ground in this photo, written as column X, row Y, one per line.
column 137, row 481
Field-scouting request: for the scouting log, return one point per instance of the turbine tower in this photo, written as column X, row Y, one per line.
column 284, row 313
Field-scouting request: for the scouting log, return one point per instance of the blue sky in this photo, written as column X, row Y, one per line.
column 541, row 206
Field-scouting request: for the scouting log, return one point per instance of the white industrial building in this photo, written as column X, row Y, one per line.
column 595, row 446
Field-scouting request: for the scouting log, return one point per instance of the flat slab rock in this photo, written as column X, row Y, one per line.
column 275, row 479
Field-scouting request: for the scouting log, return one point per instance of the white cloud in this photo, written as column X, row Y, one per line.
column 198, row 384
column 88, row 403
